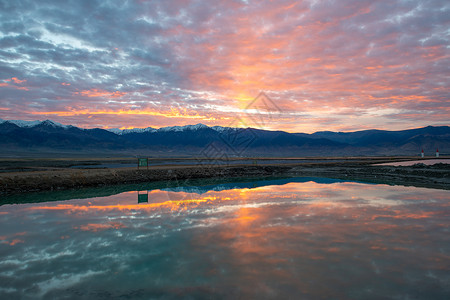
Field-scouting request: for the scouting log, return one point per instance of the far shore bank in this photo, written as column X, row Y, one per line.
column 43, row 176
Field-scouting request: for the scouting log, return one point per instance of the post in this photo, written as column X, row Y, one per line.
column 143, row 198
column 142, row 162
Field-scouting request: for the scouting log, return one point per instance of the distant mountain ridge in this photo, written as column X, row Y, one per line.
column 118, row 131
column 21, row 123
column 166, row 129
column 218, row 141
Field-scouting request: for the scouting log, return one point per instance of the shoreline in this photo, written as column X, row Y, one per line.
column 357, row 169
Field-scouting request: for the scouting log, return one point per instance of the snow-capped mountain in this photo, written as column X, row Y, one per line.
column 118, row 131
column 201, row 140
column 162, row 129
column 222, row 129
column 182, row 128
column 28, row 124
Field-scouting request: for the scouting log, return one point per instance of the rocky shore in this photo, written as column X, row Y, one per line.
column 435, row 176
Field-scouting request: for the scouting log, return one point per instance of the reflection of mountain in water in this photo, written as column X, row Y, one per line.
column 248, row 185
column 198, row 186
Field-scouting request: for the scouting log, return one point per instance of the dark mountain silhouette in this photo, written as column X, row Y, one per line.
column 49, row 135
column 201, row 140
column 383, row 137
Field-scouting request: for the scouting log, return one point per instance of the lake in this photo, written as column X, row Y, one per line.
column 291, row 238
column 427, row 162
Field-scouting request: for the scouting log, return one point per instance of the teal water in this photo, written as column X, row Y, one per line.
column 298, row 238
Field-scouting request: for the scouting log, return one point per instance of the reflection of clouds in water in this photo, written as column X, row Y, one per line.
column 297, row 239
column 64, row 281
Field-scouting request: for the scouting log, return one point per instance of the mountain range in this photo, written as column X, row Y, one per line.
column 217, row 141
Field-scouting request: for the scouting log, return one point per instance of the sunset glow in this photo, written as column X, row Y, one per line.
column 333, row 65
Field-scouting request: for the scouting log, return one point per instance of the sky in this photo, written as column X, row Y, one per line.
column 297, row 66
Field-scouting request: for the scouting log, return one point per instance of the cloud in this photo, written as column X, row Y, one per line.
column 313, row 58
column 14, row 83
column 100, row 93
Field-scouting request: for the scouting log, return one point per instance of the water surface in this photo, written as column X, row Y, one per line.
column 427, row 162
column 298, row 239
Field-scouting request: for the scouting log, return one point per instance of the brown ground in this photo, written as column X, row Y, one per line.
column 35, row 175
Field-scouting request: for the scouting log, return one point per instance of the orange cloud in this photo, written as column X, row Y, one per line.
column 173, row 113
column 100, row 93
column 15, row 82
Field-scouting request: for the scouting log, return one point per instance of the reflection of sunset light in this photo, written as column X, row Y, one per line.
column 98, row 227
column 283, row 233
column 12, row 240
column 244, row 217
column 403, row 215
column 120, row 207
